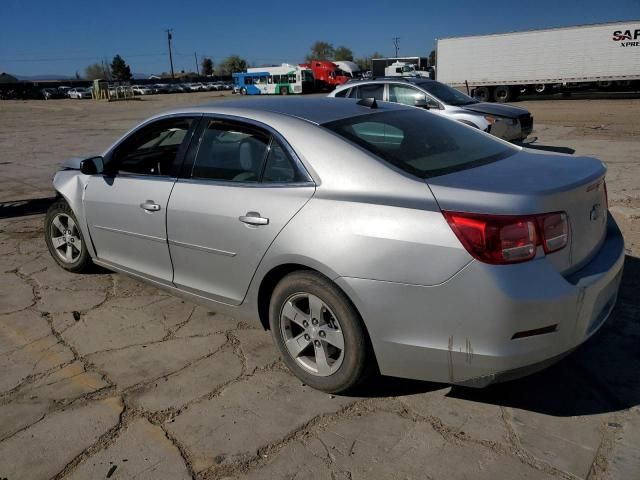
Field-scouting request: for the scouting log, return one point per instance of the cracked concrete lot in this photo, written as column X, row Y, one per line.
column 105, row 377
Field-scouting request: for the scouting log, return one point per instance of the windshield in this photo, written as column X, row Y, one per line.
column 421, row 143
column 446, row 94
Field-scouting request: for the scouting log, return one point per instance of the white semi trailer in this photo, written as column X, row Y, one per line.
column 501, row 66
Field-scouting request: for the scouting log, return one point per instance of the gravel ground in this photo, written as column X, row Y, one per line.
column 105, row 377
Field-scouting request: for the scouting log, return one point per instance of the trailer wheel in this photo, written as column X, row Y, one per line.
column 483, row 94
column 502, row 94
column 540, row 88
column 284, row 90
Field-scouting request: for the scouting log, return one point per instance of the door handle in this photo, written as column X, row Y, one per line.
column 150, row 206
column 253, row 218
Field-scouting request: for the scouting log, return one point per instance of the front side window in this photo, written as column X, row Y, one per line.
column 421, row 143
column 405, row 94
column 447, row 94
column 231, row 152
column 152, row 150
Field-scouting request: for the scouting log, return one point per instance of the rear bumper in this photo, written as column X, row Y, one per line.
column 462, row 331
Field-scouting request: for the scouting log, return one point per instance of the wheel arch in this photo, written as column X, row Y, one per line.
column 69, row 185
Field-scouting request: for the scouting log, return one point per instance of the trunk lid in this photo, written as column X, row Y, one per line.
column 531, row 182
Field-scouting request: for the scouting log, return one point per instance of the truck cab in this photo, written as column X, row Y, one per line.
column 327, row 74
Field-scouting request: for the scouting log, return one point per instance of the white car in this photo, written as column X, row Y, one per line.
column 79, row 93
column 197, row 87
column 141, row 90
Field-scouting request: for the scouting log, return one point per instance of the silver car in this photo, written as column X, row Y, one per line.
column 368, row 237
column 504, row 121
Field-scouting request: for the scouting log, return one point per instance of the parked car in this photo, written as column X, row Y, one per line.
column 504, row 121
column 197, row 87
column 79, row 93
column 396, row 240
column 51, row 93
column 141, row 90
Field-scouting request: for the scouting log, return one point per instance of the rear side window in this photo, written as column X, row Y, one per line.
column 421, row 143
column 231, row 152
column 374, row 90
column 280, row 167
column 342, row 93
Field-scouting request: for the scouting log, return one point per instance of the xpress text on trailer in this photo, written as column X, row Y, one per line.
column 500, row 66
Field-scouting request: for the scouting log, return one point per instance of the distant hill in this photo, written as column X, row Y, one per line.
column 42, row 77
column 32, row 78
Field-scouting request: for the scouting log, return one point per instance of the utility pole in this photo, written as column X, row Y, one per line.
column 197, row 68
column 396, row 44
column 169, row 37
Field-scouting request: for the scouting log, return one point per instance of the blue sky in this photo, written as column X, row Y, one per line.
column 54, row 37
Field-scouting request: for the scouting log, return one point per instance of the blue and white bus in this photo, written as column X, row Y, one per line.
column 282, row 80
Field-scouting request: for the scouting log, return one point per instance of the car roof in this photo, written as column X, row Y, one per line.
column 316, row 110
column 413, row 80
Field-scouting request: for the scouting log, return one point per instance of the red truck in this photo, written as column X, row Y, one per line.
column 327, row 74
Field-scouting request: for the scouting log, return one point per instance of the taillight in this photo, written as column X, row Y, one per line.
column 554, row 230
column 501, row 239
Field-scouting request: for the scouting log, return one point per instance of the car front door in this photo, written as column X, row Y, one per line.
column 244, row 186
column 126, row 206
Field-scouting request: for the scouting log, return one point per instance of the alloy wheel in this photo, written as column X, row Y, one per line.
column 65, row 238
column 312, row 334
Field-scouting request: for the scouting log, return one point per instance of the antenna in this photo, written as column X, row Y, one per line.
column 368, row 102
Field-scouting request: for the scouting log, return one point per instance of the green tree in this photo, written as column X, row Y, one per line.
column 432, row 58
column 365, row 62
column 207, row 67
column 232, row 64
column 120, row 70
column 321, row 51
column 95, row 71
column 343, row 53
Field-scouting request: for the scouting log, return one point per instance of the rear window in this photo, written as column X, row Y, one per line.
column 421, row 143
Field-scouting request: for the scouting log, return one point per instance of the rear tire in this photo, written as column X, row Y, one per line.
column 64, row 238
column 482, row 94
column 284, row 91
column 319, row 333
column 540, row 88
column 502, row 94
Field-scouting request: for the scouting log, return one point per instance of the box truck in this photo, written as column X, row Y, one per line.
column 380, row 65
column 501, row 66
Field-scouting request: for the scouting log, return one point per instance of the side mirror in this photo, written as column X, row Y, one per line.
column 92, row 166
column 422, row 103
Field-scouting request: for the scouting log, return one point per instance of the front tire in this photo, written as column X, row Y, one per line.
column 64, row 238
column 319, row 333
column 284, row 91
column 243, row 91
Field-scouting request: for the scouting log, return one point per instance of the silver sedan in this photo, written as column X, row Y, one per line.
column 368, row 237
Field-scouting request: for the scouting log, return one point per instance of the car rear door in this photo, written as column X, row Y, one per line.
column 244, row 185
column 126, row 207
